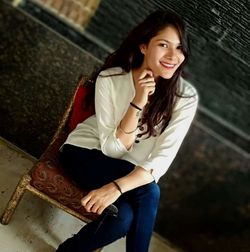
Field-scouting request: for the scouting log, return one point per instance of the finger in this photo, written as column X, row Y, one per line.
column 100, row 210
column 85, row 200
column 150, row 72
column 144, row 73
column 151, row 92
column 147, row 79
column 150, row 89
column 90, row 205
column 148, row 85
column 95, row 208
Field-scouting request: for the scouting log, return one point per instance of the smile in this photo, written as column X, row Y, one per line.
column 167, row 65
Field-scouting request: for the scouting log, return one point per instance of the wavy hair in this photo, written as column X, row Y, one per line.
column 128, row 56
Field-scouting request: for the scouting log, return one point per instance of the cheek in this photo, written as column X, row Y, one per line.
column 181, row 58
column 151, row 58
column 153, row 53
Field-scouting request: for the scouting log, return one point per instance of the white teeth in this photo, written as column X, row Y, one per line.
column 167, row 65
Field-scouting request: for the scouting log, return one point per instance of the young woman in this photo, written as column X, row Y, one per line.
column 143, row 112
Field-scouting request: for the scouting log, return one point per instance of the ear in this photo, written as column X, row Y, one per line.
column 143, row 48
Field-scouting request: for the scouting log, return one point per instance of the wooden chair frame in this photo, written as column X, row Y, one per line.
column 25, row 182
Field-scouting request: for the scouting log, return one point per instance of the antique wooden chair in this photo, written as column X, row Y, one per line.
column 46, row 179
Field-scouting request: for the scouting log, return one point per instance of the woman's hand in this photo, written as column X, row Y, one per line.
column 144, row 86
column 97, row 200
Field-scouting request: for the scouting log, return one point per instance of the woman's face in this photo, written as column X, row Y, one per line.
column 163, row 54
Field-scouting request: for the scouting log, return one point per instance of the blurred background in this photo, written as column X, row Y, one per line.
column 47, row 44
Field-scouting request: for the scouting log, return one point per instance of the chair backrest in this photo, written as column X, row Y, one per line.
column 47, row 175
column 79, row 112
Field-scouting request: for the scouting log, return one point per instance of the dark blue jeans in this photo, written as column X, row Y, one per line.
column 91, row 169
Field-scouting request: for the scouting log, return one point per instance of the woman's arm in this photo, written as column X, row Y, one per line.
column 144, row 86
column 97, row 200
column 126, row 130
column 114, row 138
column 168, row 143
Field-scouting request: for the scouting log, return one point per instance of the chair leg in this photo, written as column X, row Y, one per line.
column 15, row 199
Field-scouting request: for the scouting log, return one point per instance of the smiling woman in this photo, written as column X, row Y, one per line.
column 163, row 54
column 143, row 112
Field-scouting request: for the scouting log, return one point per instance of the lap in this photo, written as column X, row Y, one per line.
column 91, row 168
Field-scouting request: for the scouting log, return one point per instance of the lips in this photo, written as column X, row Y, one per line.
column 167, row 65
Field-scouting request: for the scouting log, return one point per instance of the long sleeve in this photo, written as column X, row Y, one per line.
column 105, row 114
column 114, row 90
column 169, row 142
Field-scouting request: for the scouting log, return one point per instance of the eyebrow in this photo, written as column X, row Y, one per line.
column 168, row 41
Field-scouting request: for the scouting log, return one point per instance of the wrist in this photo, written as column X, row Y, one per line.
column 138, row 104
column 135, row 106
column 117, row 186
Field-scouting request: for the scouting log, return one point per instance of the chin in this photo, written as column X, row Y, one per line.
column 166, row 76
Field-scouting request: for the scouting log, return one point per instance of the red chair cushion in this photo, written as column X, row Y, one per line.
column 79, row 112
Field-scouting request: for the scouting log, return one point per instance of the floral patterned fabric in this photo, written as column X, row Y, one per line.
column 47, row 175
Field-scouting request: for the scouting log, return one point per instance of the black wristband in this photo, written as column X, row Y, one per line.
column 117, row 186
column 135, row 106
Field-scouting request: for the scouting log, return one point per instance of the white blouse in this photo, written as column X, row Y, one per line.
column 112, row 97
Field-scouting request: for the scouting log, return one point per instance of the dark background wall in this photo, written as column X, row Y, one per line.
column 38, row 72
column 205, row 199
column 219, row 66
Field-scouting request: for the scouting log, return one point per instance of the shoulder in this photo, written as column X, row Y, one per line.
column 187, row 89
column 114, row 77
column 114, row 80
column 189, row 95
column 111, row 72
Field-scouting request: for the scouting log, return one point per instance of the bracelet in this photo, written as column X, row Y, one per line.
column 135, row 106
column 126, row 132
column 117, row 186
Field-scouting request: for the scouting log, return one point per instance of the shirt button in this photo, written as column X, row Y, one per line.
column 139, row 135
column 141, row 128
column 137, row 141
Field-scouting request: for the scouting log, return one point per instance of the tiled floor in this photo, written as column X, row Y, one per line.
column 37, row 226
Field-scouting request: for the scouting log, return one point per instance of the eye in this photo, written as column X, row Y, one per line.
column 180, row 47
column 164, row 45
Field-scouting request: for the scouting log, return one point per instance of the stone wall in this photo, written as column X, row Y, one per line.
column 39, row 70
column 219, row 66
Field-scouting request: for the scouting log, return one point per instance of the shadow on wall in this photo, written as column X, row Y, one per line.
column 205, row 197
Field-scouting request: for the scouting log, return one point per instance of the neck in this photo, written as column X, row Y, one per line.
column 136, row 72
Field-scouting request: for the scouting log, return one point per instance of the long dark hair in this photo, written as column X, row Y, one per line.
column 128, row 56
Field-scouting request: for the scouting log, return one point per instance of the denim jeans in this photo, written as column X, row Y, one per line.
column 91, row 169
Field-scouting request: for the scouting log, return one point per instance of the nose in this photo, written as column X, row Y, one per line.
column 170, row 54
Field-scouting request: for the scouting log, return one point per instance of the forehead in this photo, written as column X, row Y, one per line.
column 170, row 33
